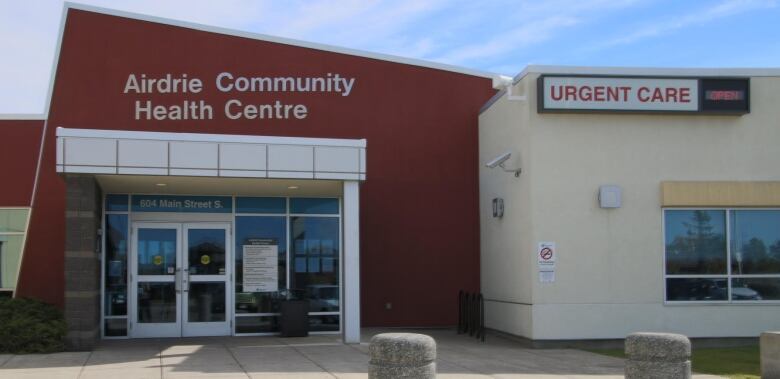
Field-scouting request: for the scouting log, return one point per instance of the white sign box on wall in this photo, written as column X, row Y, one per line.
column 575, row 93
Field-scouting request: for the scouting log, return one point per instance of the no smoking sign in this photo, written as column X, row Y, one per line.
column 546, row 254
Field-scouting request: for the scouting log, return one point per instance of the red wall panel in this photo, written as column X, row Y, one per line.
column 419, row 210
column 19, row 148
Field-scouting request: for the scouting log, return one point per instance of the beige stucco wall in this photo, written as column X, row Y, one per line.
column 506, row 281
column 609, row 274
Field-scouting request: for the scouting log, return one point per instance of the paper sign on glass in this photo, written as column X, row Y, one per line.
column 261, row 265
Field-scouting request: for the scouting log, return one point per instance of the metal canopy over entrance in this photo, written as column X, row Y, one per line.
column 92, row 151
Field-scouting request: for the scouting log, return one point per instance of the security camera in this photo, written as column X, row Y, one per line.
column 499, row 160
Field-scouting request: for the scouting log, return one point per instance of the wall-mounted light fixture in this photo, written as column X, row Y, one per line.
column 499, row 162
column 498, row 207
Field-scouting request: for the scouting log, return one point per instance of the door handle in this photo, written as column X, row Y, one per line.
column 177, row 280
column 186, row 280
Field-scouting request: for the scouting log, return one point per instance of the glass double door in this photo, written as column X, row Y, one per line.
column 180, row 279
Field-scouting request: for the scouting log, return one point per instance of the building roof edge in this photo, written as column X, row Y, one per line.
column 282, row 40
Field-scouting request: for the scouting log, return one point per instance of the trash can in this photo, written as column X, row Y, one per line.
column 294, row 318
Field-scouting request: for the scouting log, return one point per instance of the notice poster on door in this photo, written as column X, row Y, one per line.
column 261, row 265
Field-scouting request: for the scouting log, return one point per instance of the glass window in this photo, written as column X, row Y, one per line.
column 315, row 242
column 116, row 265
column 702, row 289
column 10, row 254
column 261, row 205
column 13, row 226
column 115, row 327
column 250, row 229
column 324, row 323
column 206, row 301
column 13, row 220
column 695, row 242
column 755, row 242
column 116, row 203
column 314, row 205
column 313, row 269
column 157, row 251
column 156, row 302
column 755, row 289
column 696, row 255
column 257, row 324
column 206, row 250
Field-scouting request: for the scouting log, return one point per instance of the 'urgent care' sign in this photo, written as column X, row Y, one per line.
column 626, row 94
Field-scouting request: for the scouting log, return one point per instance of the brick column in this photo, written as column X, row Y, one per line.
column 82, row 261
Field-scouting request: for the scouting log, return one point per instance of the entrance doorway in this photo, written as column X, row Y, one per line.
column 181, row 275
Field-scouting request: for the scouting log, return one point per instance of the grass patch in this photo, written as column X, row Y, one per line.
column 733, row 362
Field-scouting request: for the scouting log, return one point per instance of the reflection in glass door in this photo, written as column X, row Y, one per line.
column 180, row 280
column 206, row 298
column 156, row 286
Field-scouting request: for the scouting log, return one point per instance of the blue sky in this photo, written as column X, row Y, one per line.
column 496, row 36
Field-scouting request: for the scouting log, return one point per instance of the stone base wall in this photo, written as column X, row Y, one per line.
column 82, row 261
column 770, row 355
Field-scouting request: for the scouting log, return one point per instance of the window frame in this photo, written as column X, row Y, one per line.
column 729, row 276
column 24, row 245
column 287, row 215
column 103, row 252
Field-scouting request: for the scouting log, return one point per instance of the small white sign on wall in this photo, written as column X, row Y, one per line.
column 546, row 256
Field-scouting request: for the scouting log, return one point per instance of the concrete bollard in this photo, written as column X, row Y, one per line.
column 770, row 355
column 658, row 356
column 402, row 355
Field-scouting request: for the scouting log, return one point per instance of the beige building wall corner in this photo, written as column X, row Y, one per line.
column 506, row 241
column 610, row 269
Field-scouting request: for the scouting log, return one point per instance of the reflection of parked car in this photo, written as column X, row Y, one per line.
column 744, row 293
column 719, row 291
column 714, row 289
column 323, row 297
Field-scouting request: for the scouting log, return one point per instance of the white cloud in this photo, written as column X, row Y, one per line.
column 517, row 38
column 721, row 10
column 530, row 23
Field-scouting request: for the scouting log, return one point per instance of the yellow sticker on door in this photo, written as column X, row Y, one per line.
column 205, row 259
column 158, row 260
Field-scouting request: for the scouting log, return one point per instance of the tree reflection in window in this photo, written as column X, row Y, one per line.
column 695, row 242
column 755, row 242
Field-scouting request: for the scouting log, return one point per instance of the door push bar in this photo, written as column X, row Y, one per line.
column 182, row 280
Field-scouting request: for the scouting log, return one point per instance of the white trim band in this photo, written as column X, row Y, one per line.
column 113, row 152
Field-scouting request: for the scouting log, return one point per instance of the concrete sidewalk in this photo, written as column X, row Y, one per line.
column 310, row 357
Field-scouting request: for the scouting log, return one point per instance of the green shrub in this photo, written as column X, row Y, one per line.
column 30, row 326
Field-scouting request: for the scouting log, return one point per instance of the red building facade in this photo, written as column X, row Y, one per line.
column 419, row 225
